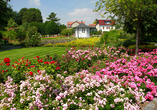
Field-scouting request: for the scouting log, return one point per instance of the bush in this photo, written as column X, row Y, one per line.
column 67, row 32
column 128, row 36
column 32, row 38
column 128, row 42
column 1, row 37
column 111, row 36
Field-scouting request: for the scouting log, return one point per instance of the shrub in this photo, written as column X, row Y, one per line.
column 111, row 36
column 127, row 43
column 67, row 32
column 128, row 36
column 79, row 43
column 32, row 38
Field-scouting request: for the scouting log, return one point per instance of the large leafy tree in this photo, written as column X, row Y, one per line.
column 5, row 12
column 52, row 28
column 32, row 15
column 53, row 17
column 127, row 10
column 20, row 15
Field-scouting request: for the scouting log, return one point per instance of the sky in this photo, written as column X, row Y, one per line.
column 66, row 10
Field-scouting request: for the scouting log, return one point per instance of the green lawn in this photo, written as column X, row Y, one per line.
column 30, row 53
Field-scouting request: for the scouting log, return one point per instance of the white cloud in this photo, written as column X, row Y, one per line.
column 36, row 2
column 84, row 14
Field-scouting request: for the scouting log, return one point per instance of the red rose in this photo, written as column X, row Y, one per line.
column 6, row 60
column 31, row 73
column 26, row 64
column 57, row 68
column 37, row 56
column 8, row 64
column 32, row 66
column 46, row 62
column 52, row 62
column 41, row 60
column 22, row 58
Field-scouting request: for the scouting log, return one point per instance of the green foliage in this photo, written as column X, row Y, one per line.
column 95, row 32
column 61, row 27
column 128, row 36
column 5, row 13
column 32, row 38
column 21, row 32
column 52, row 28
column 11, row 23
column 38, row 25
column 32, row 15
column 111, row 36
column 53, row 17
column 20, row 15
column 67, row 32
column 128, row 10
column 1, row 37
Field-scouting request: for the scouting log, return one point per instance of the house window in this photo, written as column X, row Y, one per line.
column 107, row 22
column 69, row 25
column 83, row 30
column 107, row 27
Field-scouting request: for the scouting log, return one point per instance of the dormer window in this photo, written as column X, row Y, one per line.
column 107, row 22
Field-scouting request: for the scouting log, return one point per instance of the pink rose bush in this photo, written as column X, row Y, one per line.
column 118, row 81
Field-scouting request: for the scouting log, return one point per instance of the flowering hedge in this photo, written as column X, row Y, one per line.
column 77, row 43
column 122, row 83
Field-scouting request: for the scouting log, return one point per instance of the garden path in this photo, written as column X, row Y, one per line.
column 151, row 105
column 10, row 47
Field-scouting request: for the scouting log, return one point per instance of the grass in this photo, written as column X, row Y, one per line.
column 30, row 53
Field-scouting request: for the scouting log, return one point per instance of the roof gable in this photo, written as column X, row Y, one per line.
column 70, row 23
column 106, row 22
column 82, row 25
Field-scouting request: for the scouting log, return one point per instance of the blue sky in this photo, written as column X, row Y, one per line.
column 67, row 10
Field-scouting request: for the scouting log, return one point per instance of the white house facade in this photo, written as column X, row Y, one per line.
column 105, row 25
column 82, row 31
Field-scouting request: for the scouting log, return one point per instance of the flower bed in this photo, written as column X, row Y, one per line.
column 122, row 82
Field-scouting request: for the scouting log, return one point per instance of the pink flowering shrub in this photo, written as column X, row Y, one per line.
column 117, row 81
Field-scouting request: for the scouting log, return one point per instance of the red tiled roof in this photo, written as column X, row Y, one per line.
column 102, row 22
column 70, row 23
column 92, row 25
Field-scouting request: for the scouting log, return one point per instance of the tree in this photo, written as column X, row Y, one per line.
column 61, row 27
column 127, row 10
column 20, row 15
column 38, row 25
column 53, row 17
column 95, row 22
column 5, row 12
column 52, row 28
column 11, row 23
column 32, row 15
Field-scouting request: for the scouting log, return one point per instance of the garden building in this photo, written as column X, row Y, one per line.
column 82, row 31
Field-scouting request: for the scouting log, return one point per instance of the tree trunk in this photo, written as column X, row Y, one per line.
column 137, row 36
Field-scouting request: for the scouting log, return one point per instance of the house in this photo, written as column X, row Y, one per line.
column 82, row 31
column 105, row 25
column 74, row 24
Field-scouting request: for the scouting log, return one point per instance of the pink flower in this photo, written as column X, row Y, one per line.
column 149, row 96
